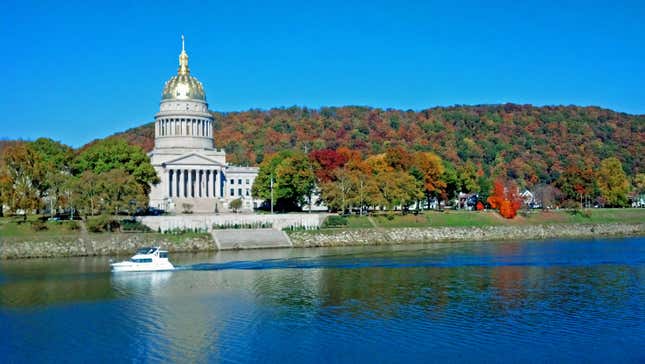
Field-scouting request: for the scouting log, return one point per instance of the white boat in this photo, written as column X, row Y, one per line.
column 145, row 260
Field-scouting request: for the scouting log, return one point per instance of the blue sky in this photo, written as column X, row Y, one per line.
column 76, row 71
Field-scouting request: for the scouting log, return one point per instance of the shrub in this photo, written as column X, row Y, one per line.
column 335, row 221
column 133, row 225
column 187, row 208
column 71, row 225
column 245, row 225
column 102, row 223
column 236, row 204
column 38, row 225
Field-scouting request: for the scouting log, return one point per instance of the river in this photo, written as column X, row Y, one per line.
column 529, row 301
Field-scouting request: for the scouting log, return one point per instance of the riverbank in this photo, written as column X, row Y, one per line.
column 37, row 239
column 411, row 235
column 100, row 244
column 121, row 244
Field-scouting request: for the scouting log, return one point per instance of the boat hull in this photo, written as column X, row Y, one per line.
column 140, row 267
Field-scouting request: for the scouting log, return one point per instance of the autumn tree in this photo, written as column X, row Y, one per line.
column 639, row 183
column 325, row 162
column 428, row 169
column 612, row 182
column 505, row 198
column 23, row 178
column 575, row 182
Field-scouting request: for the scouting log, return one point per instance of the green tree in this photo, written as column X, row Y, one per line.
column 121, row 192
column 612, row 182
column 398, row 188
column 338, row 192
column 364, row 186
column 293, row 179
column 86, row 193
column 54, row 155
column 452, row 182
column 109, row 154
column 468, row 177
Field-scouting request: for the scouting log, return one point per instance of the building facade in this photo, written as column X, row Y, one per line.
column 194, row 174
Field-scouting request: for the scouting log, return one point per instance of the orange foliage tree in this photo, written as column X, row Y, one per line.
column 505, row 198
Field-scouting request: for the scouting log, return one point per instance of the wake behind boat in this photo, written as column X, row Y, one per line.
column 147, row 259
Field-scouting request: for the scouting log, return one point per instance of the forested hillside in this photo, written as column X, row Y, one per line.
column 526, row 143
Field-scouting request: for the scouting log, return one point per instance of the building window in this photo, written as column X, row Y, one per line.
column 248, row 192
column 248, row 181
column 239, row 192
column 232, row 181
column 239, row 181
column 232, row 191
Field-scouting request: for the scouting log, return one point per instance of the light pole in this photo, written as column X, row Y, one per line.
column 272, row 194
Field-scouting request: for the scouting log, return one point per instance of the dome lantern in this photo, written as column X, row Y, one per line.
column 183, row 86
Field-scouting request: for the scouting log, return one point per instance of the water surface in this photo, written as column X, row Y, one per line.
column 553, row 301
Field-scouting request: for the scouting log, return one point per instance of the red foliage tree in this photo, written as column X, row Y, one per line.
column 326, row 161
column 505, row 198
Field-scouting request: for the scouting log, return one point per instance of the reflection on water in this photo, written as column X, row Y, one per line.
column 148, row 283
column 525, row 301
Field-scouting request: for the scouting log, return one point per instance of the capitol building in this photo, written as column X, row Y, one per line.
column 194, row 174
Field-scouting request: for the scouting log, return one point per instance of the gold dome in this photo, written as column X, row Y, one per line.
column 183, row 86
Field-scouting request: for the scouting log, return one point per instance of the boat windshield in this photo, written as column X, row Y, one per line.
column 147, row 250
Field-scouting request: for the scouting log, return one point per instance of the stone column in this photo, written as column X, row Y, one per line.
column 191, row 184
column 216, row 181
column 199, row 183
column 173, row 184
column 208, row 181
column 168, row 183
column 180, row 182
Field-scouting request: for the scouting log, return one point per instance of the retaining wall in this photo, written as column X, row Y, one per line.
column 381, row 236
column 105, row 244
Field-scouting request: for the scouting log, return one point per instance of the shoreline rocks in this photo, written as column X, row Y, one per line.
column 393, row 236
column 105, row 244
column 124, row 244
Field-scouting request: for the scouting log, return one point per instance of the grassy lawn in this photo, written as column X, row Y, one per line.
column 180, row 237
column 492, row 218
column 358, row 222
column 16, row 227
